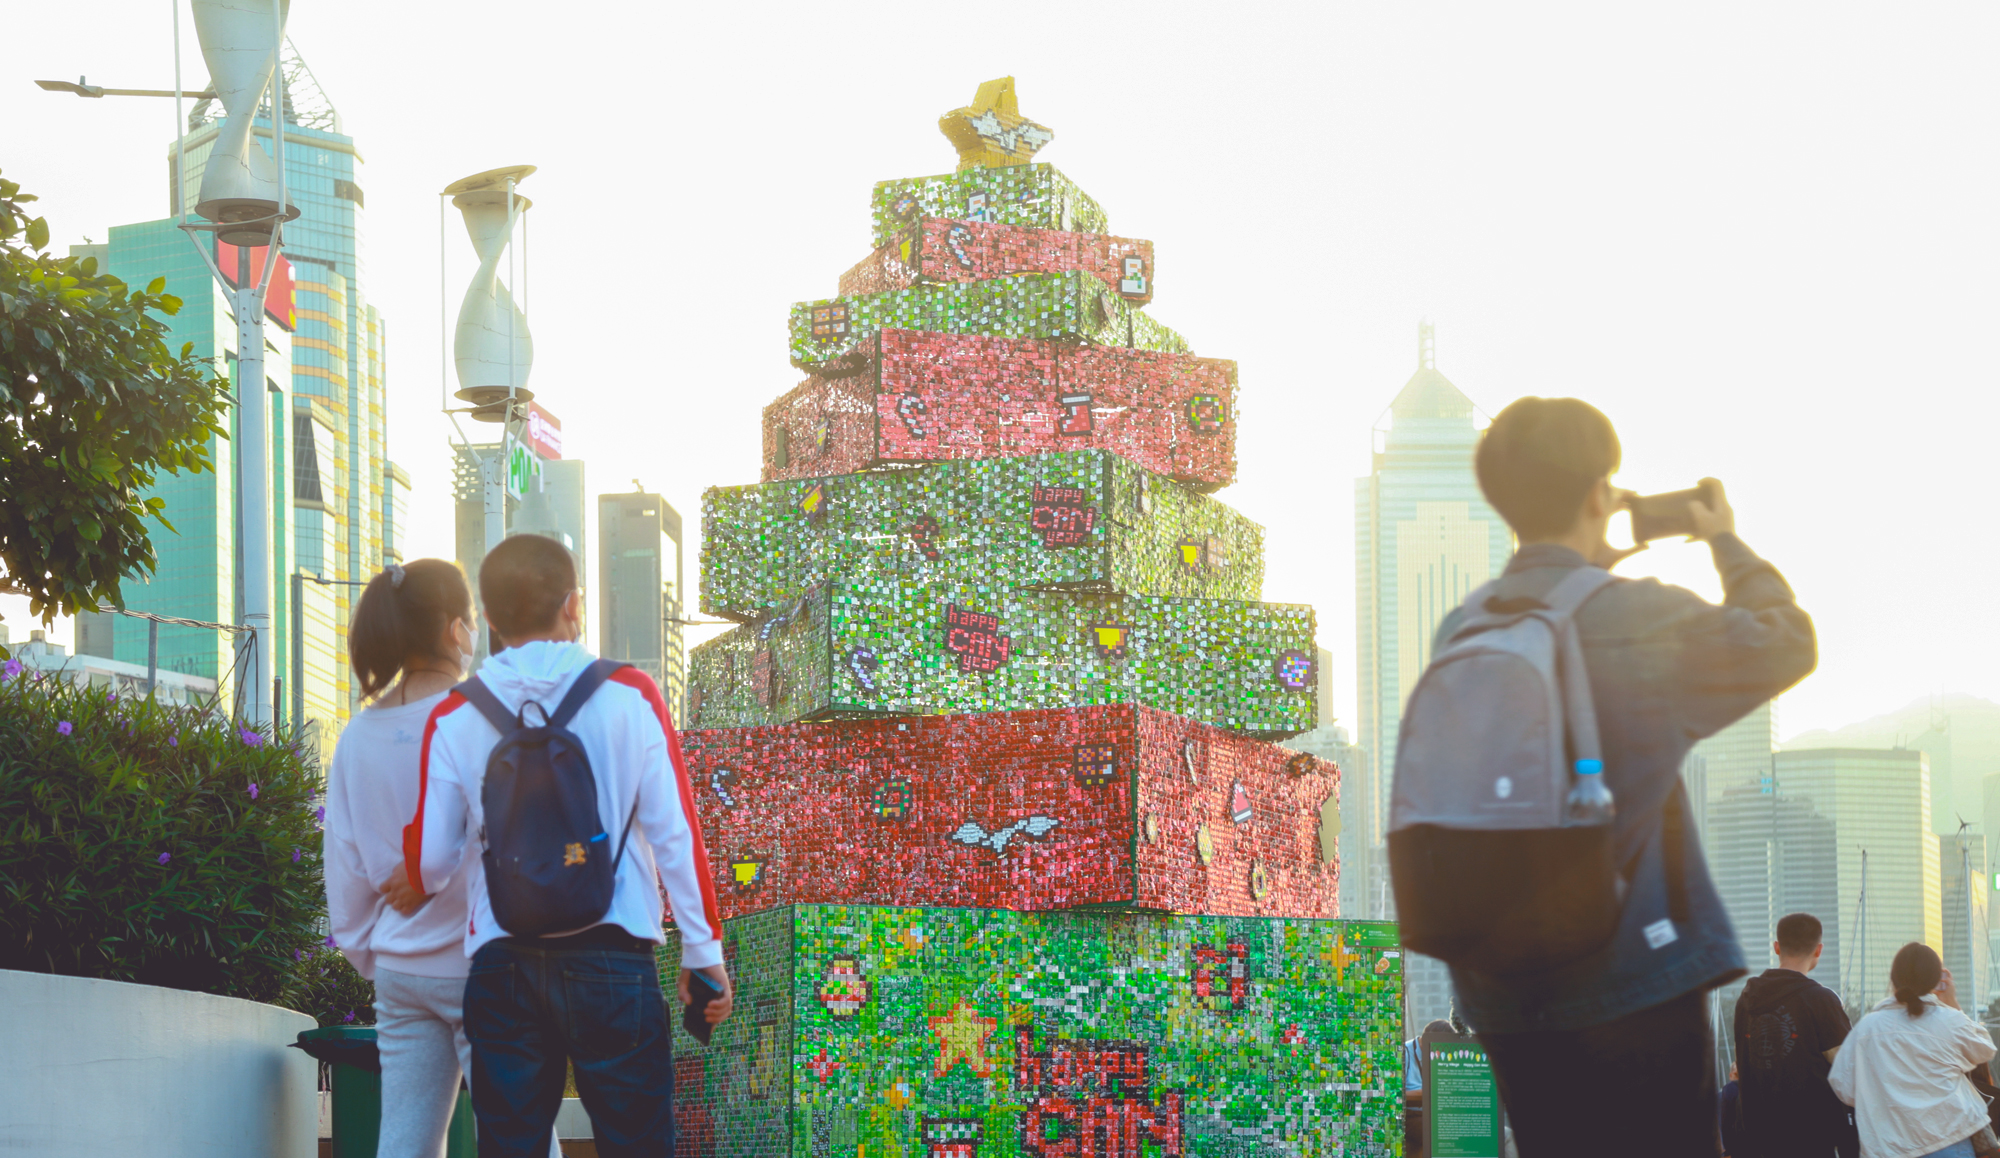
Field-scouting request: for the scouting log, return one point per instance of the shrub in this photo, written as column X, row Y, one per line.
column 147, row 843
column 330, row 990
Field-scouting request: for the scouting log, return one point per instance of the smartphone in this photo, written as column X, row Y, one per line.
column 1658, row 516
column 694, row 1018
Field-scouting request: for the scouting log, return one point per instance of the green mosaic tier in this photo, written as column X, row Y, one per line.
column 977, row 1033
column 1082, row 520
column 883, row 646
column 1036, row 196
column 1069, row 306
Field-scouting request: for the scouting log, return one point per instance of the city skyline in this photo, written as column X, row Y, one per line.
column 1721, row 334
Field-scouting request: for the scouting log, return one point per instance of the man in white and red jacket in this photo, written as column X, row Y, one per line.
column 588, row 996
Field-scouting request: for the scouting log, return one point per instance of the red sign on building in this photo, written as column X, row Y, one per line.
column 277, row 295
column 544, row 432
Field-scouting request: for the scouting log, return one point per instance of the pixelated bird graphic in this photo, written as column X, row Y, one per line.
column 997, row 840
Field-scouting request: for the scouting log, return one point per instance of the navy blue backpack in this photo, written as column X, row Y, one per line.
column 546, row 868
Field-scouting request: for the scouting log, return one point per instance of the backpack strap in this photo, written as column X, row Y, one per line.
column 586, row 685
column 480, row 696
column 1673, row 821
column 1576, row 588
column 1579, row 707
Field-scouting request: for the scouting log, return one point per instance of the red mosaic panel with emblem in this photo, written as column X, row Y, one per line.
column 910, row 396
column 1115, row 805
column 937, row 250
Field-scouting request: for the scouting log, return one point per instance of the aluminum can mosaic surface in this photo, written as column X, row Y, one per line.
column 1061, row 808
column 908, row 396
column 971, row 1033
column 1033, row 196
column 883, row 646
column 938, row 250
column 1084, row 520
column 1067, row 306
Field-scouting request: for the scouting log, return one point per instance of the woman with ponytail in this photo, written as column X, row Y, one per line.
column 411, row 639
column 1903, row 1068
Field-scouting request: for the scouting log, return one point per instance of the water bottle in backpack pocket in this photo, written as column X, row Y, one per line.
column 549, row 863
column 1500, row 830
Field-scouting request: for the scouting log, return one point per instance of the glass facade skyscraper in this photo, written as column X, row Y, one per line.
column 1424, row 537
column 640, row 582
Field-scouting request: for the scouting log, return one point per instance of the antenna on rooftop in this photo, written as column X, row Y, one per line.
column 1426, row 347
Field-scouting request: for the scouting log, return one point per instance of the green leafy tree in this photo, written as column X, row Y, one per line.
column 93, row 405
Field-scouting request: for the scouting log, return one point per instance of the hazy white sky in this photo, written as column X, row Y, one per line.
column 1761, row 237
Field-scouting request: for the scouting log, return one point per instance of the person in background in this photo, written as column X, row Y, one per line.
column 1729, row 1115
column 1787, row 1029
column 1416, row 1071
column 588, row 997
column 1613, row 1053
column 1903, row 1066
column 410, row 641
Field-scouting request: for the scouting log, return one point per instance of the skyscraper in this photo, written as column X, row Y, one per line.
column 1424, row 538
column 640, row 597
column 1339, row 816
column 329, row 421
column 1962, row 894
column 1886, row 858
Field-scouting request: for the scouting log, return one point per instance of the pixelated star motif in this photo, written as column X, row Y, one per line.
column 991, row 132
column 961, row 1037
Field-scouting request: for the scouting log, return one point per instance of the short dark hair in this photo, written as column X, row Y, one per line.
column 397, row 622
column 1798, row 934
column 1539, row 459
column 524, row 583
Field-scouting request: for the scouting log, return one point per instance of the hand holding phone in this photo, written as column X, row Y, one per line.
column 707, row 1000
column 1700, row 513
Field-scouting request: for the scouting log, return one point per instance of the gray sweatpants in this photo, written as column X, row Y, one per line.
column 420, row 1031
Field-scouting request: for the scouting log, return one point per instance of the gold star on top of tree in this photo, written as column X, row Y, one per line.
column 991, row 131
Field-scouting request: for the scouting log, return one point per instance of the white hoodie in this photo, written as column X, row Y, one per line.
column 1905, row 1078
column 635, row 755
column 371, row 789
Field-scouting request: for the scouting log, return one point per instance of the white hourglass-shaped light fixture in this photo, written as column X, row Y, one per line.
column 240, row 186
column 492, row 347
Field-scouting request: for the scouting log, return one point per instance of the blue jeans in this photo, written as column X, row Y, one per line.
column 592, row 1000
column 1959, row 1149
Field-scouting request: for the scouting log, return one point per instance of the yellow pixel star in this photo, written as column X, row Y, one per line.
column 991, row 131
column 962, row 1037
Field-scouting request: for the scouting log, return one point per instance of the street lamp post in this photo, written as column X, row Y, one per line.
column 244, row 199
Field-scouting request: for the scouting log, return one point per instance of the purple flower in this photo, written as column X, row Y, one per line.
column 165, row 857
column 113, row 698
column 173, row 741
column 63, row 729
column 12, row 669
column 298, row 954
column 319, row 814
column 296, row 854
column 253, row 791
column 349, row 1017
column 329, row 942
column 251, row 738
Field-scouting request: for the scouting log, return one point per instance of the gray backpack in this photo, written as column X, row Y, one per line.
column 1488, row 877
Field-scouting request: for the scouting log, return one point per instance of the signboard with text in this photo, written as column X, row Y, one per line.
column 544, row 432
column 1461, row 1101
column 524, row 468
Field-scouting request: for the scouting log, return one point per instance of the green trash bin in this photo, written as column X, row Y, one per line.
column 357, row 1093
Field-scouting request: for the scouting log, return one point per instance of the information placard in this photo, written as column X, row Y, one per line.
column 1462, row 1100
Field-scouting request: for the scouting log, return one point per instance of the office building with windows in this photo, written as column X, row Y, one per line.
column 1889, row 890
column 640, row 584
column 1424, row 537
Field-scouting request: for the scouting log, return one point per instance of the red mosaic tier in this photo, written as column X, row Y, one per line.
column 936, row 250
column 1120, row 806
column 925, row 397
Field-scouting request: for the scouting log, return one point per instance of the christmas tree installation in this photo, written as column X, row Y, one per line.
column 1009, row 864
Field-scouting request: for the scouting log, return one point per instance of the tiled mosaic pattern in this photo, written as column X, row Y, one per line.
column 906, row 396
column 937, row 250
column 883, row 646
column 1100, row 806
column 1085, row 520
column 1034, row 196
column 1068, row 306
column 971, row 1033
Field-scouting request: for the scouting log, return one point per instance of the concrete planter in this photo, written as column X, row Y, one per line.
column 104, row 1067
